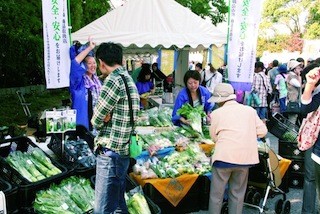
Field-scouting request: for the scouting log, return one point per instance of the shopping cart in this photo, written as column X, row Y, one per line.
column 264, row 178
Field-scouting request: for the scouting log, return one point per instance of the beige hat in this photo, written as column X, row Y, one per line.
column 292, row 64
column 222, row 92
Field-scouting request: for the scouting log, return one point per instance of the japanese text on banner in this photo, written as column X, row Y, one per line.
column 244, row 19
column 56, row 43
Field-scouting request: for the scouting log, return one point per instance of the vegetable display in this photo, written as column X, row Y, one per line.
column 290, row 136
column 33, row 166
column 137, row 204
column 191, row 160
column 72, row 195
column 155, row 117
column 79, row 151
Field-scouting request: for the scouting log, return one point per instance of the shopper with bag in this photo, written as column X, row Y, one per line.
column 311, row 103
column 112, row 117
column 261, row 85
column 281, row 86
column 294, row 90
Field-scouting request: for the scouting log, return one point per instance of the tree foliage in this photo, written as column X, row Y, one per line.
column 313, row 24
column 279, row 15
column 274, row 44
column 215, row 10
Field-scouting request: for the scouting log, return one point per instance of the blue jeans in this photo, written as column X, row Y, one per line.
column 283, row 106
column 317, row 176
column 309, row 184
column 111, row 183
column 262, row 112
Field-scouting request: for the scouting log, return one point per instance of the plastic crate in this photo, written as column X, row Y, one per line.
column 130, row 184
column 296, row 180
column 290, row 150
column 26, row 189
column 10, row 192
column 279, row 126
column 65, row 158
column 30, row 210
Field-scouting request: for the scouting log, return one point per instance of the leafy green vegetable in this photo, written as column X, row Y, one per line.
column 72, row 195
column 138, row 204
column 290, row 136
column 30, row 167
column 194, row 115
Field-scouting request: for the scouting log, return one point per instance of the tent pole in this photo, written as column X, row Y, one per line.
column 69, row 20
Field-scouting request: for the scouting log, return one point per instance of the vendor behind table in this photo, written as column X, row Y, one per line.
column 145, row 86
column 194, row 94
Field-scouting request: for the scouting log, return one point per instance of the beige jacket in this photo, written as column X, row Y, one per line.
column 235, row 129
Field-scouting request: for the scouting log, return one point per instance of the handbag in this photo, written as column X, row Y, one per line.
column 255, row 98
column 309, row 130
column 293, row 107
column 135, row 147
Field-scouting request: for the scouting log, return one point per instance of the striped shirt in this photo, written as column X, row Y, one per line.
column 113, row 100
column 261, row 84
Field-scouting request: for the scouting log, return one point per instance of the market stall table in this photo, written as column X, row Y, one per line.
column 172, row 195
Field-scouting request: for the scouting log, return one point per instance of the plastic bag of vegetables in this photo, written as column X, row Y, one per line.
column 136, row 201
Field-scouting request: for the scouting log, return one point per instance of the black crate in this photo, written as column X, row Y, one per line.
column 278, row 125
column 10, row 192
column 296, row 180
column 30, row 210
column 130, row 184
column 190, row 203
column 68, row 160
column 297, row 166
column 26, row 189
column 85, row 172
column 290, row 150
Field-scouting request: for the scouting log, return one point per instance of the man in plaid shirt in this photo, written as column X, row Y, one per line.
column 261, row 84
column 112, row 118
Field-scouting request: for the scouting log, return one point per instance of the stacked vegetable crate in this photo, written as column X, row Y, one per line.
column 67, row 158
column 282, row 128
column 287, row 132
column 295, row 173
column 10, row 192
column 26, row 188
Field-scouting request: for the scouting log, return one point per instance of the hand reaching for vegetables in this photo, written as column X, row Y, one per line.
column 184, row 121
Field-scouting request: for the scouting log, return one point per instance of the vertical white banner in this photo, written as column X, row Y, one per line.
column 244, row 20
column 56, row 43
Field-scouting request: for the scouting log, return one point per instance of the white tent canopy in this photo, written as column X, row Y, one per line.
column 152, row 24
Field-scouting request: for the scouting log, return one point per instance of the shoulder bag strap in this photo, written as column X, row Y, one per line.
column 129, row 100
column 263, row 83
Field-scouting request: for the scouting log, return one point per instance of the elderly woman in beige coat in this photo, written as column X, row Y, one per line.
column 235, row 129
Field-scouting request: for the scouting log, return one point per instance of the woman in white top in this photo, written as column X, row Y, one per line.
column 293, row 86
column 211, row 77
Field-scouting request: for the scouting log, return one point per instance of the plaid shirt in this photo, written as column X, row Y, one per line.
column 113, row 100
column 261, row 84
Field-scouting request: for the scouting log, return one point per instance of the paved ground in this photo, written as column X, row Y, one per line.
column 294, row 195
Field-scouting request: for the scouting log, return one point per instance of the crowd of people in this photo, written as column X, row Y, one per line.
column 108, row 106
